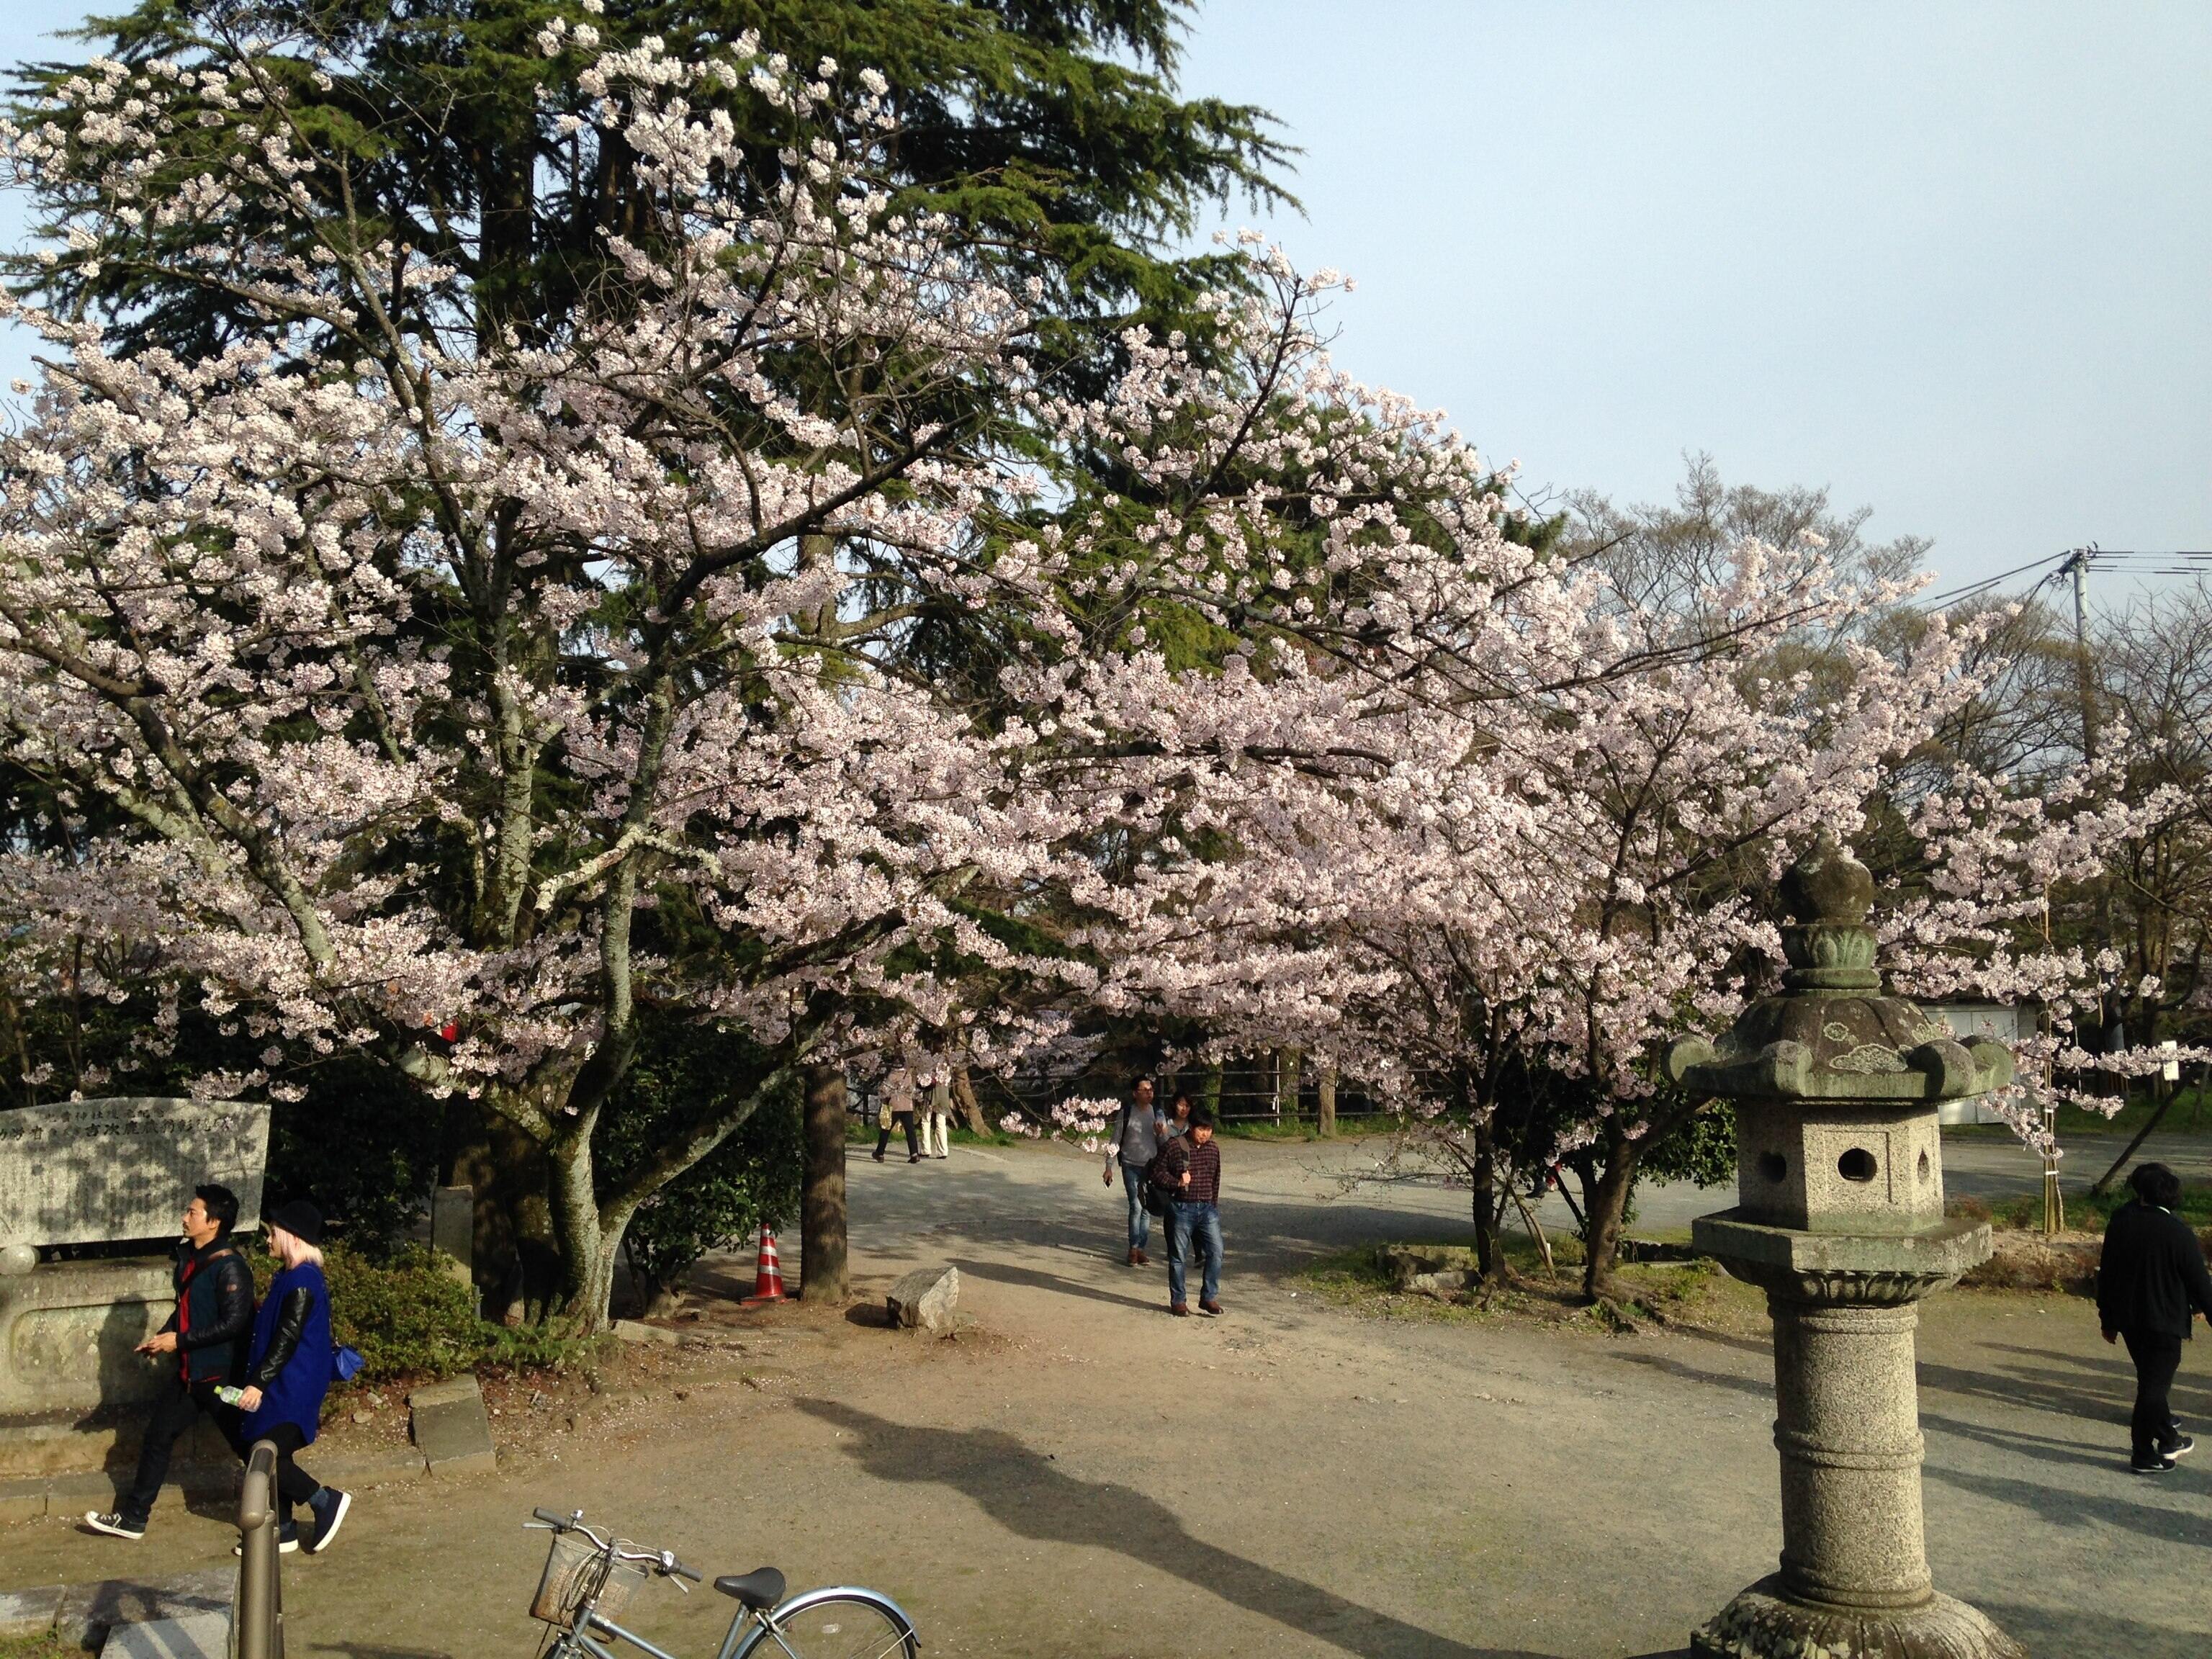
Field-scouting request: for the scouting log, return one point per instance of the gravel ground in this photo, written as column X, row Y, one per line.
column 1079, row 1475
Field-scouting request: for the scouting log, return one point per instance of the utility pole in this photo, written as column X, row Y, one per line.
column 2077, row 566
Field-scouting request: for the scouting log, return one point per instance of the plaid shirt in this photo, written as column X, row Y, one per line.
column 1204, row 1164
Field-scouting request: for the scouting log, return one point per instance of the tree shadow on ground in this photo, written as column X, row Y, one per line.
column 999, row 1273
column 1020, row 1490
column 2045, row 1389
column 2086, row 1630
column 1757, row 1388
column 2111, row 1368
column 2043, row 1448
column 2079, row 1508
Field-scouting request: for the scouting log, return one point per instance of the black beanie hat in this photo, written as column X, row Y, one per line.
column 299, row 1218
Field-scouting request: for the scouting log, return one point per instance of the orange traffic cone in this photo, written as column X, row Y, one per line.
column 768, row 1277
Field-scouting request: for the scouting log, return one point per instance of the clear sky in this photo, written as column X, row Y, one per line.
column 1952, row 260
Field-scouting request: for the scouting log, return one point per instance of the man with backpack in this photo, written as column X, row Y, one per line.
column 2151, row 1285
column 1190, row 1169
column 1135, row 1144
column 214, row 1315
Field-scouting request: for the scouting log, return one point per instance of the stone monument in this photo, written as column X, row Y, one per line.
column 1839, row 1219
column 113, row 1174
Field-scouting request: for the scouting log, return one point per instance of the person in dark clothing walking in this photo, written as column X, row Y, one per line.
column 2151, row 1283
column 214, row 1310
column 1189, row 1166
column 287, row 1370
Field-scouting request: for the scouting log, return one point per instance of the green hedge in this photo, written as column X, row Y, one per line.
column 408, row 1317
column 408, row 1314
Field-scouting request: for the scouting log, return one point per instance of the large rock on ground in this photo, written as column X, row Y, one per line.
column 1443, row 1271
column 926, row 1298
column 450, row 1429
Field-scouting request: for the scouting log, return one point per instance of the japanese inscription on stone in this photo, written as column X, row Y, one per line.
column 97, row 1171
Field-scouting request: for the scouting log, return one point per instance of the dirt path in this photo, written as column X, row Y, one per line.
column 1083, row 1475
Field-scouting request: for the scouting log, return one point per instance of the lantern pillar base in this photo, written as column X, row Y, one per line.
column 1765, row 1622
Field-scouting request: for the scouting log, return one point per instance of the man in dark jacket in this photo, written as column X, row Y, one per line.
column 206, row 1335
column 2151, row 1283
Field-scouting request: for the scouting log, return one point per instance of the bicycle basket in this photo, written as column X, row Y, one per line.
column 575, row 1571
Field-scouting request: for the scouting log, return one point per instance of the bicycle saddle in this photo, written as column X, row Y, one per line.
column 761, row 1587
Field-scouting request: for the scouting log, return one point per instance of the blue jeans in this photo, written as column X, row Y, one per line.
column 1140, row 1218
column 1202, row 1222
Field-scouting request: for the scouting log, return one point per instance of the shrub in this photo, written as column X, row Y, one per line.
column 408, row 1314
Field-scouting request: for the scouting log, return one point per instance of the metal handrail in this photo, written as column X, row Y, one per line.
column 258, row 1616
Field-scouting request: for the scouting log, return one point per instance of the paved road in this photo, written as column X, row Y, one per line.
column 1082, row 1477
column 1634, row 1477
column 1327, row 1177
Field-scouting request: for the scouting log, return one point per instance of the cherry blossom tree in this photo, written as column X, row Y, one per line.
column 444, row 690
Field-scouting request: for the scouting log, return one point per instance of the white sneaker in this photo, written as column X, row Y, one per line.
column 287, row 1541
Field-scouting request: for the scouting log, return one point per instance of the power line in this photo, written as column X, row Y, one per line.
column 2138, row 560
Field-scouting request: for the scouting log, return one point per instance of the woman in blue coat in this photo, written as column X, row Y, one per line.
column 289, row 1368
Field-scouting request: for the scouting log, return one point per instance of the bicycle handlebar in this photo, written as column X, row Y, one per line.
column 663, row 1562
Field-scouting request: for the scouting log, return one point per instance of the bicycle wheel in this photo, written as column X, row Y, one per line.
column 836, row 1624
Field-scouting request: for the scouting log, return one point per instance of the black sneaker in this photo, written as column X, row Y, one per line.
column 329, row 1506
column 2158, row 1463
column 288, row 1539
column 114, row 1526
column 2180, row 1446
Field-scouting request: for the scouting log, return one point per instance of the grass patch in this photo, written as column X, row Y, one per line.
column 1696, row 1295
column 2086, row 1211
column 48, row 1643
column 1266, row 1128
column 2190, row 1115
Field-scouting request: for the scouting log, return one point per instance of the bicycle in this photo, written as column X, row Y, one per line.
column 587, row 1582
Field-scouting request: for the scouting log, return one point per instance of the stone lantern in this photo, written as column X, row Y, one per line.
column 1839, row 1177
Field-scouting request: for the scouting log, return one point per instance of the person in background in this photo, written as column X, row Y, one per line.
column 214, row 1311
column 937, row 1114
column 2151, row 1284
column 1192, row 1168
column 1136, row 1143
column 289, row 1368
column 898, row 1111
column 1177, row 1122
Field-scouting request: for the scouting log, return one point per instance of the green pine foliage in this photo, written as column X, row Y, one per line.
column 1051, row 129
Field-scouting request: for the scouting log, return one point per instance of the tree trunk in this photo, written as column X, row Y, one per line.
column 587, row 1248
column 1325, row 1101
column 516, row 1262
column 964, row 1102
column 1608, row 1211
column 1489, row 1255
column 1286, row 1084
column 822, row 1254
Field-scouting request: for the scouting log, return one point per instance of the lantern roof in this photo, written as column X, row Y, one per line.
column 1833, row 1034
